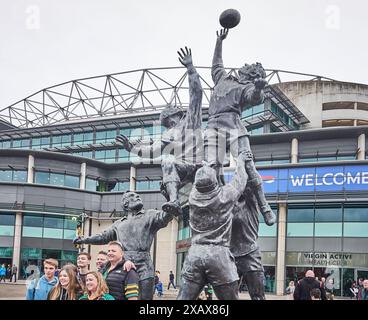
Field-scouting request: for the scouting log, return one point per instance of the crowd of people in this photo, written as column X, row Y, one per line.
column 311, row 288
column 116, row 278
column 8, row 272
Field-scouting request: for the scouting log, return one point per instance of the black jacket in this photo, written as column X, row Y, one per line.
column 122, row 285
column 304, row 287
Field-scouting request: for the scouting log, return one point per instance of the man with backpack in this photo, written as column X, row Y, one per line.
column 304, row 287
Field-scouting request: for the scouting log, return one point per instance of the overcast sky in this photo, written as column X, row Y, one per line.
column 46, row 42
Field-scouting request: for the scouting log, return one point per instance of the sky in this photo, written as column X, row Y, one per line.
column 46, row 42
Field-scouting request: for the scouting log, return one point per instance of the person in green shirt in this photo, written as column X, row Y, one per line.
column 96, row 288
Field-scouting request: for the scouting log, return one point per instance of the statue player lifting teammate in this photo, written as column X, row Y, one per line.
column 230, row 96
column 181, row 145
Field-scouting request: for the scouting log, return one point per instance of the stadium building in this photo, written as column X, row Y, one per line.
column 59, row 164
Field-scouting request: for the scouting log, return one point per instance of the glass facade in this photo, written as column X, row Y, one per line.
column 255, row 111
column 7, row 224
column 37, row 226
column 147, row 185
column 32, row 259
column 342, row 268
column 330, row 220
column 13, row 175
column 285, row 118
column 327, row 158
column 56, row 179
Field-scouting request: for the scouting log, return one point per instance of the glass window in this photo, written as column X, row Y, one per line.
column 32, row 232
column 88, row 137
column 69, row 255
column 71, row 181
column 57, row 179
column 78, row 137
column 99, row 154
column 7, row 219
column 56, row 141
column 356, row 229
column 7, row 231
column 66, row 140
column 308, row 160
column 53, row 233
column 91, row 184
column 136, row 132
column 297, row 214
column 256, row 130
column 5, row 175
column 31, row 253
column 258, row 109
column 20, row 175
column 123, row 155
column 45, row 141
column 110, row 154
column 6, row 252
column 53, row 222
column 42, row 177
column 125, row 132
column 16, row 143
column 356, row 213
column 6, row 144
column 267, row 231
column 100, row 135
column 33, row 221
column 70, row 223
column 50, row 253
column 328, row 214
column 326, row 229
column 69, row 234
column 142, row 185
column 83, row 138
column 111, row 134
column 300, row 229
column 155, row 185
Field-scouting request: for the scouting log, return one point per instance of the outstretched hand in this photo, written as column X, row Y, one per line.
column 222, row 34
column 185, row 57
column 124, row 142
column 260, row 83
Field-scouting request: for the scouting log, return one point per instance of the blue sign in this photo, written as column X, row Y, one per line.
column 311, row 179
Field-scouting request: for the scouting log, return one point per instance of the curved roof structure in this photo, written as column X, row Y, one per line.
column 136, row 91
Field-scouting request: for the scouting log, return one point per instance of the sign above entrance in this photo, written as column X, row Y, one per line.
column 312, row 179
column 326, row 259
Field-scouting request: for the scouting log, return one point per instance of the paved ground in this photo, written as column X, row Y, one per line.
column 11, row 291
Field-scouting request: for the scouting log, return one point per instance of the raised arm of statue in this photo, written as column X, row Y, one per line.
column 239, row 181
column 152, row 151
column 193, row 117
column 218, row 70
column 102, row 238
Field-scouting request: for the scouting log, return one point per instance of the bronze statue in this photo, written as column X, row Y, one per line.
column 230, row 96
column 244, row 244
column 209, row 259
column 135, row 231
column 181, row 145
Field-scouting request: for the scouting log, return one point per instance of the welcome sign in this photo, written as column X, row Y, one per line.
column 311, row 179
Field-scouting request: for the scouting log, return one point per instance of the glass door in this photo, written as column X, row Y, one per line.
column 361, row 273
